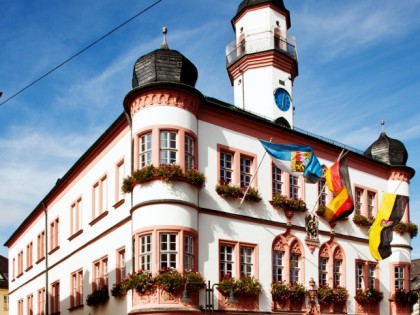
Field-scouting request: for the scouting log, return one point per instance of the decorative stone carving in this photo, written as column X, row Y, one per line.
column 180, row 99
column 400, row 176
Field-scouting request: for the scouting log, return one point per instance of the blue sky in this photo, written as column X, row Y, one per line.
column 358, row 64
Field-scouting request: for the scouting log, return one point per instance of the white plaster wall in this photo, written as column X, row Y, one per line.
column 159, row 190
column 82, row 259
column 164, row 115
column 257, row 88
column 164, row 215
column 263, row 19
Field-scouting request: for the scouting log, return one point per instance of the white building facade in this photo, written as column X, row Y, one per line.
column 87, row 235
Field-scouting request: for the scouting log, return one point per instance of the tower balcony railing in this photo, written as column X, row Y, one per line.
column 251, row 46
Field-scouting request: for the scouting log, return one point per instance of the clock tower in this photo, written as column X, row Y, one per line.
column 262, row 60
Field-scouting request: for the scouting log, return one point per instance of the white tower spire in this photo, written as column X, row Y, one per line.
column 262, row 61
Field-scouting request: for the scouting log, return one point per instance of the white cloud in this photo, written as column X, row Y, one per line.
column 343, row 30
column 30, row 164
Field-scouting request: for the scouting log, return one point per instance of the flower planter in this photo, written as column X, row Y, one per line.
column 245, row 303
column 400, row 309
column 281, row 202
column 227, row 190
column 371, row 308
column 289, row 305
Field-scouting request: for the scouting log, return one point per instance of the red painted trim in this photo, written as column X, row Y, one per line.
column 271, row 58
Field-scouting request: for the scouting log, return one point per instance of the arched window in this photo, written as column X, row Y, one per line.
column 287, row 259
column 331, row 265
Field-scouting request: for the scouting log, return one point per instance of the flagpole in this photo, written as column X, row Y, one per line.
column 253, row 176
column 340, row 156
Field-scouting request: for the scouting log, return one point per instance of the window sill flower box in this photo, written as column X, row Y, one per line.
column 368, row 296
column 361, row 220
column 98, row 297
column 165, row 287
column 227, row 190
column 332, row 299
column 281, row 202
column 288, row 297
column 165, row 172
column 246, row 290
column 406, row 227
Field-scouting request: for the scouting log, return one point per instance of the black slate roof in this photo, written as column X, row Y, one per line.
column 388, row 150
column 164, row 65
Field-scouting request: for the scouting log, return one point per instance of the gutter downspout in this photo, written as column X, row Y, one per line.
column 130, row 124
column 46, row 259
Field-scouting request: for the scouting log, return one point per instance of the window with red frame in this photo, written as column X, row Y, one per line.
column 54, row 234
column 236, row 259
column 100, row 273
column 55, row 298
column 76, row 296
column 41, row 301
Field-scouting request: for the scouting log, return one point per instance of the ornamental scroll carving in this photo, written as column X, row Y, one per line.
column 180, row 99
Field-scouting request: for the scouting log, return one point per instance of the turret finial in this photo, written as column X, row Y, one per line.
column 164, row 44
column 383, row 126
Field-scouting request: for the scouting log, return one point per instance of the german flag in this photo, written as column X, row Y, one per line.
column 390, row 213
column 338, row 182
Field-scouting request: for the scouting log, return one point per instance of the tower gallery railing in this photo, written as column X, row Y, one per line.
column 251, row 46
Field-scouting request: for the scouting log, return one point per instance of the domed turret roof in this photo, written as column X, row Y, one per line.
column 388, row 150
column 250, row 3
column 164, row 65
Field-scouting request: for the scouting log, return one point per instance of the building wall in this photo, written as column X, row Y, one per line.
column 215, row 219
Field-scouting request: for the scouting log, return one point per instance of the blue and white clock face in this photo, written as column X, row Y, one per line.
column 282, row 99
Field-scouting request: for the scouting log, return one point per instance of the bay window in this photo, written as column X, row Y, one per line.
column 189, row 152
column 173, row 248
column 168, row 147
column 168, row 250
column 145, row 242
column 145, row 149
